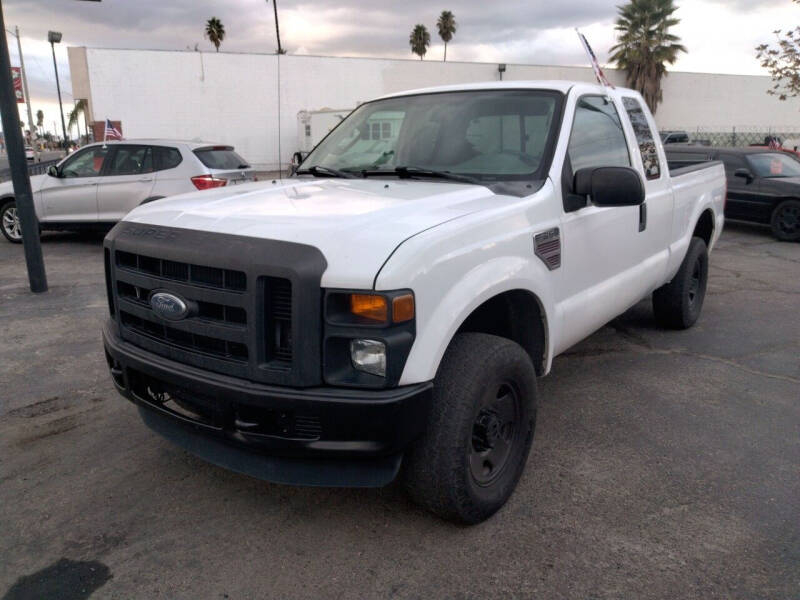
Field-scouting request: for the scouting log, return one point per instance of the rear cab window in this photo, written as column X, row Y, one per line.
column 221, row 157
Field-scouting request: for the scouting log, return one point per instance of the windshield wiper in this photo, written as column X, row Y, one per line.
column 409, row 171
column 320, row 171
column 243, row 166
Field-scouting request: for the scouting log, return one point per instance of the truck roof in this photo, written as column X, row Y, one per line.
column 557, row 85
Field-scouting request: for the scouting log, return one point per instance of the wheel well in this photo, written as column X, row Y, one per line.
column 705, row 227
column 516, row 315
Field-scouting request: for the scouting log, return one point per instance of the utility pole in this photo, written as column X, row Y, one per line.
column 23, row 197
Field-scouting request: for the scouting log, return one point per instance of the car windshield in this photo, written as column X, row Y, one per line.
column 488, row 135
column 774, row 165
column 221, row 157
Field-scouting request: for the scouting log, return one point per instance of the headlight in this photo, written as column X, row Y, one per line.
column 368, row 336
column 369, row 356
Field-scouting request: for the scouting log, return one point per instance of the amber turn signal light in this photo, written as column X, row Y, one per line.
column 369, row 306
column 403, row 308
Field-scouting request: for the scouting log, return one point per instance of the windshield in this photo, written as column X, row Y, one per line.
column 774, row 165
column 488, row 135
column 221, row 157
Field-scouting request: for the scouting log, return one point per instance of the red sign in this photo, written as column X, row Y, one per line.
column 16, row 75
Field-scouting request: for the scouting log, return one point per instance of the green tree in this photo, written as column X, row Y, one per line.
column 80, row 109
column 446, row 24
column 419, row 40
column 645, row 46
column 783, row 62
column 215, row 31
column 39, row 119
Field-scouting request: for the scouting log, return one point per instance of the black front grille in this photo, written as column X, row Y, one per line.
column 224, row 279
column 279, row 326
column 254, row 304
column 184, row 339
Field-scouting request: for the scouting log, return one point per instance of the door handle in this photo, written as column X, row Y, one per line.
column 146, row 179
column 642, row 217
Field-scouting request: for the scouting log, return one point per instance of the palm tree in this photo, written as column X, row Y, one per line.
column 419, row 40
column 80, row 108
column 215, row 31
column 446, row 24
column 277, row 28
column 39, row 119
column 645, row 46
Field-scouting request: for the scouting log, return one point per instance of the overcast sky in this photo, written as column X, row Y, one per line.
column 720, row 35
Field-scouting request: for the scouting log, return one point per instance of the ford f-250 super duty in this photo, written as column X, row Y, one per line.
column 389, row 307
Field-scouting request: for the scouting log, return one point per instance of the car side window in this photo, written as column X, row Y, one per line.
column 86, row 163
column 131, row 160
column 597, row 138
column 166, row 158
column 732, row 163
column 644, row 137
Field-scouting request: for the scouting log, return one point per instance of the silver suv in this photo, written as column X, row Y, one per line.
column 100, row 183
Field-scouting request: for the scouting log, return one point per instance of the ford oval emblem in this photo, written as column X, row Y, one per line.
column 169, row 306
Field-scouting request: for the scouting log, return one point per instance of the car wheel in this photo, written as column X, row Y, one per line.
column 9, row 222
column 677, row 304
column 786, row 221
column 480, row 430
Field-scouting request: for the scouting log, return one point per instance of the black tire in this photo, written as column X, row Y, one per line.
column 9, row 222
column 484, row 410
column 677, row 304
column 785, row 221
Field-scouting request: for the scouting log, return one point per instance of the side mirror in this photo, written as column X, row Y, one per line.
column 744, row 173
column 52, row 170
column 297, row 160
column 610, row 186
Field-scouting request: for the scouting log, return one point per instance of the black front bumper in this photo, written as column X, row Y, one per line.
column 316, row 436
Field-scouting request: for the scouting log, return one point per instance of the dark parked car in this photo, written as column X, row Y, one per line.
column 763, row 184
column 674, row 137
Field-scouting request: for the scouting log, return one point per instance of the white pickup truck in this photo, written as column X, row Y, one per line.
column 389, row 307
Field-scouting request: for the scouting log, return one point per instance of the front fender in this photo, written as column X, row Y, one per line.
column 440, row 316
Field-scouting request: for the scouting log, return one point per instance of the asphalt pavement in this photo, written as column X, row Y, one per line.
column 665, row 465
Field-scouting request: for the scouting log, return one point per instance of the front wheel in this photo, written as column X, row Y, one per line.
column 785, row 221
column 9, row 222
column 677, row 304
column 479, row 432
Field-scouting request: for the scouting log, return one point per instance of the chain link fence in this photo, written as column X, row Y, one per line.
column 743, row 136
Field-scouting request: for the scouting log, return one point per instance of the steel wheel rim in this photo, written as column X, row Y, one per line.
column 789, row 219
column 11, row 224
column 694, row 282
column 495, row 434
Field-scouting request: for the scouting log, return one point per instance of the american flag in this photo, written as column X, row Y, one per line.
column 111, row 132
column 598, row 72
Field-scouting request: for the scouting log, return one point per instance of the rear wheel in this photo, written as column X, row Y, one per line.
column 677, row 304
column 480, row 431
column 785, row 221
column 9, row 222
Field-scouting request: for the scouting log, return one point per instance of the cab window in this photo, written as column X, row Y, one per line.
column 597, row 138
column 86, row 163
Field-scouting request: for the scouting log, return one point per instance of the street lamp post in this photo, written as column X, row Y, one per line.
column 54, row 37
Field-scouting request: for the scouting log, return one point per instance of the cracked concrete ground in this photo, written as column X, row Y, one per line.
column 665, row 465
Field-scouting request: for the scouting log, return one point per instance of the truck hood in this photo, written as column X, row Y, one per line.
column 355, row 223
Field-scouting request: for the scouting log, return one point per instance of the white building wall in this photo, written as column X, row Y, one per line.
column 232, row 98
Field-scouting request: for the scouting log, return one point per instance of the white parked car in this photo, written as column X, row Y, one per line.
column 30, row 154
column 393, row 304
column 97, row 185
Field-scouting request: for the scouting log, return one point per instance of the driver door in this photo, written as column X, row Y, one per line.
column 72, row 197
